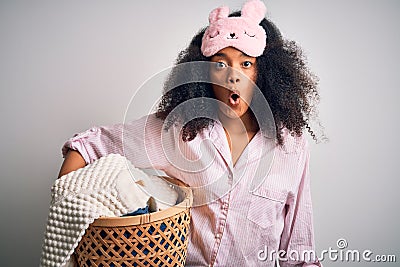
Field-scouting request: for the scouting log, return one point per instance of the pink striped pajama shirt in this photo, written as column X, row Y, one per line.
column 233, row 223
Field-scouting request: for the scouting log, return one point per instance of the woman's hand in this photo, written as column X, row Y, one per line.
column 73, row 161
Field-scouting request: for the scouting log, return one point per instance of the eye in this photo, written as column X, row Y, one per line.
column 220, row 65
column 247, row 64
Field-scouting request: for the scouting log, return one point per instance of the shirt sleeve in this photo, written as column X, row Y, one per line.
column 140, row 141
column 298, row 234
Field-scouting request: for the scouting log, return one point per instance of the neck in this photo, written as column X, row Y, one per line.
column 242, row 125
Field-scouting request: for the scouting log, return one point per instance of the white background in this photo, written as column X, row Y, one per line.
column 68, row 65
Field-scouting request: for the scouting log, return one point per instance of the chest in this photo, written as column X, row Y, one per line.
column 237, row 144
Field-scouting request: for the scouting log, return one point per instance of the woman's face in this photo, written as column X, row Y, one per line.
column 233, row 77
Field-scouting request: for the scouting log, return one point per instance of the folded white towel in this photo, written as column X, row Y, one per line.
column 106, row 187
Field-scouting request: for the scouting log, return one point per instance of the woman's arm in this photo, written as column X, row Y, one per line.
column 139, row 141
column 298, row 233
column 73, row 161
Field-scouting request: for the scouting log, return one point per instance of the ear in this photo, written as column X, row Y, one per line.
column 254, row 10
column 218, row 13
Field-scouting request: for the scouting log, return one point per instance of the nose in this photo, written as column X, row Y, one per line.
column 233, row 76
column 232, row 35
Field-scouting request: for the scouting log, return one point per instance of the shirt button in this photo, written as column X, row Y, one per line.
column 218, row 235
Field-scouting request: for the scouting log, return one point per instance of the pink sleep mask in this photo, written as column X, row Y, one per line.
column 243, row 33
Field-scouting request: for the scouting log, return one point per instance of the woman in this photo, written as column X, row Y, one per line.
column 236, row 137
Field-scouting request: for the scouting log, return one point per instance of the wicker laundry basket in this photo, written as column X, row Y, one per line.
column 154, row 239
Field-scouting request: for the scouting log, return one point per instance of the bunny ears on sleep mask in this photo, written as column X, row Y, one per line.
column 243, row 33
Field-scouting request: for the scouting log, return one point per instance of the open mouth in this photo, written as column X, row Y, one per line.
column 234, row 98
